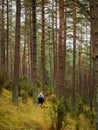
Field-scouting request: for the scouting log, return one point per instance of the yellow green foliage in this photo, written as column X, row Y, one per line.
column 31, row 116
column 23, row 116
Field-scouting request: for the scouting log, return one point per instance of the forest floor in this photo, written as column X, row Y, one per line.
column 31, row 116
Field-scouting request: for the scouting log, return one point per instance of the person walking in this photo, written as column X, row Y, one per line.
column 41, row 98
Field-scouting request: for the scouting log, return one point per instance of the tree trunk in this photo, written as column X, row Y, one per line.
column 50, row 55
column 61, row 67
column 87, row 67
column 3, row 40
column 31, row 46
column 94, row 43
column 74, row 55
column 55, row 42
column 29, row 61
column 43, row 49
column 80, row 64
column 17, row 52
column 25, row 41
column 54, row 46
column 61, row 53
column 65, row 27
column 34, row 51
column 90, row 79
column 7, row 64
column 10, row 42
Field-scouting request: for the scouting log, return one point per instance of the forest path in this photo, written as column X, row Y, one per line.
column 41, row 115
column 31, row 116
column 27, row 116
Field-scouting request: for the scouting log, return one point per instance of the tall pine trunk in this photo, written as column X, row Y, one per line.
column 56, row 42
column 86, row 73
column 61, row 53
column 25, row 44
column 54, row 46
column 94, row 43
column 31, row 47
column 3, row 39
column 17, row 52
column 43, row 49
column 34, row 51
column 10, row 43
column 80, row 64
column 61, row 66
column 7, row 57
column 74, row 55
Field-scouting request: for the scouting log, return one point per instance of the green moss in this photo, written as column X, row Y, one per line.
column 30, row 116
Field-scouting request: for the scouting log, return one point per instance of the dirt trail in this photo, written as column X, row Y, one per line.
column 27, row 116
column 41, row 115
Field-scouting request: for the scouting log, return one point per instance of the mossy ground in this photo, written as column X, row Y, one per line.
column 31, row 116
column 27, row 116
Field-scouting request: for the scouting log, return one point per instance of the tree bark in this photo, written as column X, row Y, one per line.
column 43, row 49
column 25, row 41
column 17, row 52
column 74, row 55
column 3, row 39
column 80, row 64
column 34, row 51
column 10, row 42
column 94, row 44
column 61, row 53
column 7, row 64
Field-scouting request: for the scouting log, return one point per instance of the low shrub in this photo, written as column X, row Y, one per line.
column 25, row 88
column 90, row 115
column 57, row 113
column 3, row 76
column 9, row 84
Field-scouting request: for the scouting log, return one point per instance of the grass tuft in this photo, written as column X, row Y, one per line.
column 23, row 116
column 31, row 116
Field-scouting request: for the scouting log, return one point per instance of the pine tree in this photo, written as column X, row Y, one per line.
column 17, row 52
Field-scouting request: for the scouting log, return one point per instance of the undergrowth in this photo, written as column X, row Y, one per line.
column 31, row 116
column 22, row 116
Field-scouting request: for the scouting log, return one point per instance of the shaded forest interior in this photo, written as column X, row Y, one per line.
column 51, row 46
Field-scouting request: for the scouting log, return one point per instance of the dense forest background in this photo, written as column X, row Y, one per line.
column 51, row 46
